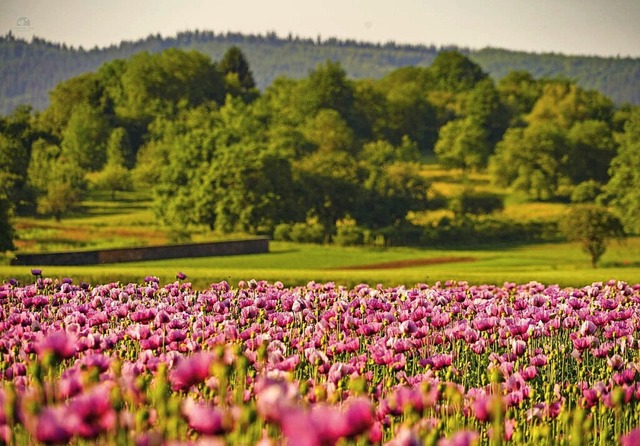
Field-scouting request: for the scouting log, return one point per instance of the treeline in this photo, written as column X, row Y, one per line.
column 30, row 70
column 319, row 158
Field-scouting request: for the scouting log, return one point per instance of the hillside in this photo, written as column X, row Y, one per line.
column 28, row 71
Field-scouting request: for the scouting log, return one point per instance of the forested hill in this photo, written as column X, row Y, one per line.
column 28, row 71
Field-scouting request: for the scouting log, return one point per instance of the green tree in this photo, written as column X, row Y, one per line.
column 180, row 158
column 591, row 149
column 624, row 186
column 329, row 184
column 118, row 149
column 18, row 131
column 252, row 188
column 58, row 181
column 162, row 83
column 564, row 103
column 378, row 153
column 388, row 193
column 327, row 87
column 43, row 156
column 370, row 104
column 83, row 90
column 586, row 192
column 66, row 186
column 84, row 137
column 484, row 106
column 409, row 113
column 531, row 160
column 235, row 63
column 221, row 172
column 7, row 231
column 115, row 176
column 452, row 71
column 519, row 91
column 329, row 132
column 593, row 227
column 463, row 144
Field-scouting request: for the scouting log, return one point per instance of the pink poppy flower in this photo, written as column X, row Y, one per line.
column 192, row 370
column 482, row 408
column 60, row 344
column 91, row 413
column 460, row 438
column 437, row 361
column 204, row 418
column 632, row 438
column 52, row 426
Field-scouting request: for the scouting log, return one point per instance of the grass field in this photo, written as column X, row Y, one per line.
column 129, row 221
column 292, row 264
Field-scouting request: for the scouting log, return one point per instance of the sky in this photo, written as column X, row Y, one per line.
column 573, row 27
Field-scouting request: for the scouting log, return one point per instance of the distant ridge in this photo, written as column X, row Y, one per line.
column 29, row 70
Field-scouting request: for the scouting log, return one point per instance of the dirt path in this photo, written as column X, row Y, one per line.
column 408, row 263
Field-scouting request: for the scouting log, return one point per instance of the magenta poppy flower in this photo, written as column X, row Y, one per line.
column 70, row 383
column 60, row 344
column 460, row 438
column 437, row 361
column 204, row 418
column 91, row 413
column 518, row 347
column 275, row 399
column 588, row 328
column 405, row 437
column 177, row 335
column 52, row 426
column 192, row 370
column 616, row 362
column 338, row 371
column 529, row 373
column 539, row 360
column 359, row 417
column 151, row 343
column 632, row 438
column 482, row 408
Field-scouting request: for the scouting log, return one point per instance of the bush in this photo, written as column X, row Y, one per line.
column 476, row 203
column 299, row 232
column 483, row 230
column 282, row 232
column 350, row 235
column 404, row 234
column 586, row 192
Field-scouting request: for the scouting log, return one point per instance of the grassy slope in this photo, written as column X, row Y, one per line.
column 129, row 222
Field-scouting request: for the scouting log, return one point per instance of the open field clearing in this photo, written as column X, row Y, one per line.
column 293, row 264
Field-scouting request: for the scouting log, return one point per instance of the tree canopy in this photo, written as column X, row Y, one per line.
column 593, row 226
column 323, row 149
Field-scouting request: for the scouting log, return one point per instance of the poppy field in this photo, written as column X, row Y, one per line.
column 446, row 363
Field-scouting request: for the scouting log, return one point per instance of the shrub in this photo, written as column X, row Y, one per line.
column 282, row 232
column 350, row 235
column 299, row 232
column 586, row 192
column 476, row 203
column 483, row 230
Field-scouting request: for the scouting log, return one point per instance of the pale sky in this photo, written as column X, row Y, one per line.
column 577, row 27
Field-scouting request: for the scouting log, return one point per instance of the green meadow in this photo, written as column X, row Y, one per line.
column 129, row 221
